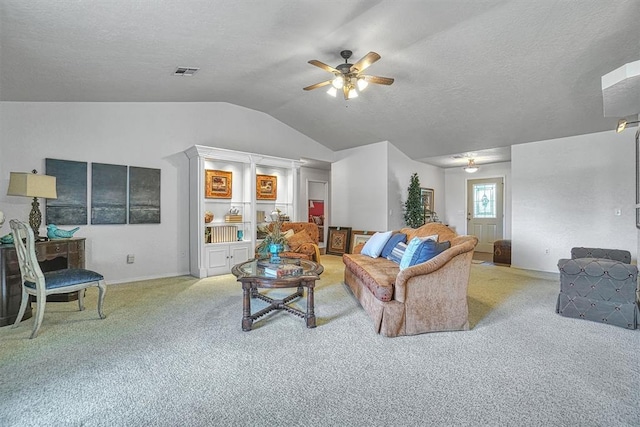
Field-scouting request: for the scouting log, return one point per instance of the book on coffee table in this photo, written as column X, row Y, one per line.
column 282, row 270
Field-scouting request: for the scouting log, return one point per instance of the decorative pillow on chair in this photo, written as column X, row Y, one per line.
column 298, row 239
column 391, row 243
column 288, row 234
column 373, row 246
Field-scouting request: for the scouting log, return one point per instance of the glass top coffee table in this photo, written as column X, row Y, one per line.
column 258, row 273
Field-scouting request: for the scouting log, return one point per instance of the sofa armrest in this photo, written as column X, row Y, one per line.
column 310, row 249
column 460, row 245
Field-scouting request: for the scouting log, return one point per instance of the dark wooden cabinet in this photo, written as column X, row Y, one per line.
column 52, row 255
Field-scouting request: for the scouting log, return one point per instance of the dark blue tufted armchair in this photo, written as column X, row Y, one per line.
column 599, row 285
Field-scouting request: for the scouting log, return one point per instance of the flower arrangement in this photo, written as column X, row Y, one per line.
column 274, row 235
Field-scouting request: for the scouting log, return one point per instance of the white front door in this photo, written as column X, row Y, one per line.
column 485, row 211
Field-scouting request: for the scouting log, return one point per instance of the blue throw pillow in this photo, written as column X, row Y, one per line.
column 374, row 245
column 427, row 250
column 391, row 243
column 412, row 247
column 397, row 252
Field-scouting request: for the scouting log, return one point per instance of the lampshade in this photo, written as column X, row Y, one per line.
column 332, row 91
column 471, row 167
column 338, row 82
column 32, row 185
column 352, row 93
column 362, row 84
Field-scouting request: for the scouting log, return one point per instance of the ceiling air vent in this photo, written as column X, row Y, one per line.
column 185, row 71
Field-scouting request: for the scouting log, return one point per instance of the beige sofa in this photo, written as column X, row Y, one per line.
column 427, row 297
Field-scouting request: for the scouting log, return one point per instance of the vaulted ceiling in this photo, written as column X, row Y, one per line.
column 470, row 75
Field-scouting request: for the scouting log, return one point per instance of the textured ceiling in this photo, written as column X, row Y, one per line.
column 469, row 75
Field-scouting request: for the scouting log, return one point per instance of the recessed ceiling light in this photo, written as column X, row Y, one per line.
column 185, row 71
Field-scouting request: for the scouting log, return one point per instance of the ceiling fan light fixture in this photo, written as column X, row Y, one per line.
column 347, row 77
column 471, row 167
column 362, row 84
column 332, row 91
column 623, row 124
column 338, row 82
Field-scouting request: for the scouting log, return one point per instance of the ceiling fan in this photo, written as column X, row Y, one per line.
column 348, row 77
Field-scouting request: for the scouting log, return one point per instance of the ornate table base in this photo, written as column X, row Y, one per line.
column 250, row 290
column 253, row 277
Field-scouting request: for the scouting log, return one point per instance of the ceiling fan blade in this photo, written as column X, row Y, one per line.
column 366, row 60
column 378, row 80
column 323, row 66
column 345, row 90
column 317, row 85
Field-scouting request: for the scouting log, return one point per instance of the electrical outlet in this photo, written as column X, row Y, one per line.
column 131, row 258
column 547, row 251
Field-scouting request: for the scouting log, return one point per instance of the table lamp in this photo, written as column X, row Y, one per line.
column 33, row 185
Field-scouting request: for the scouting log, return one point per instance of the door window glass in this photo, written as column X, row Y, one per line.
column 484, row 200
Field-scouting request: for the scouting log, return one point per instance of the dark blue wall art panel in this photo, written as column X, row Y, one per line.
column 108, row 194
column 70, row 208
column 144, row 195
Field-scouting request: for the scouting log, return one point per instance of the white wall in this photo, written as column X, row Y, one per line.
column 359, row 188
column 564, row 194
column 377, row 177
column 138, row 134
column 400, row 170
column 456, row 188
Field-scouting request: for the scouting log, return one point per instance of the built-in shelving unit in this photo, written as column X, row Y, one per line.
column 230, row 238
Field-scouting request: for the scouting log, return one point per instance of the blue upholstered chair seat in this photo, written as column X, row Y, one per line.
column 68, row 277
column 49, row 283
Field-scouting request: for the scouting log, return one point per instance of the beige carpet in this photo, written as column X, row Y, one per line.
column 487, row 290
column 171, row 352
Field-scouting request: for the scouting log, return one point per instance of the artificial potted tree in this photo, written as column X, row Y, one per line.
column 413, row 206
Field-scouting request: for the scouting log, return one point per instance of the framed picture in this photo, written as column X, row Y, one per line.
column 108, row 194
column 338, row 243
column 144, row 195
column 359, row 236
column 217, row 184
column 427, row 199
column 266, row 187
column 70, row 208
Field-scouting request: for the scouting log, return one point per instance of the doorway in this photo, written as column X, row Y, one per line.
column 485, row 207
column 317, row 193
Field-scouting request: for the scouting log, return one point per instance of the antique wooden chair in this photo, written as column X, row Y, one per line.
column 35, row 283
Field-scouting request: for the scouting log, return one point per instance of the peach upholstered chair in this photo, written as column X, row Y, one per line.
column 302, row 246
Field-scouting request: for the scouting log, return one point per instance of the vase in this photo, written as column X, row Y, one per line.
column 275, row 249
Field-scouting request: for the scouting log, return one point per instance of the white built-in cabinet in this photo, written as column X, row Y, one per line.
column 215, row 247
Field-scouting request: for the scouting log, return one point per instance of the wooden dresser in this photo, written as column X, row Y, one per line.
column 52, row 255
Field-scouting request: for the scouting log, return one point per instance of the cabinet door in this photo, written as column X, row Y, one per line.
column 239, row 253
column 217, row 260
